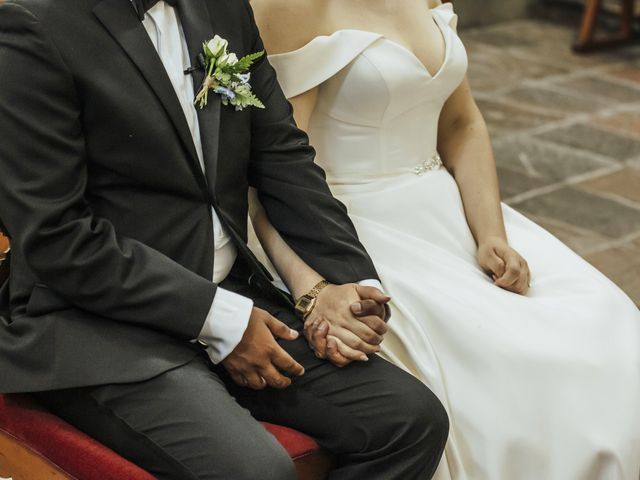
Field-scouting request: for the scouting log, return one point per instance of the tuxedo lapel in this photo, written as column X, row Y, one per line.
column 198, row 26
column 125, row 27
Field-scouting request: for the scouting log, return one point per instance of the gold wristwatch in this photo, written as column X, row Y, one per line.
column 306, row 303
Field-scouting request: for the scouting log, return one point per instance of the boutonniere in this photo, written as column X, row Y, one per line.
column 227, row 76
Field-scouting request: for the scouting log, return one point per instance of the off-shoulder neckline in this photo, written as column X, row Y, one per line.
column 444, row 30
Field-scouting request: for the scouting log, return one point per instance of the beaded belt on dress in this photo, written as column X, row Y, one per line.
column 432, row 163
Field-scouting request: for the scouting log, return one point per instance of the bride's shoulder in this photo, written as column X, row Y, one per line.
column 287, row 25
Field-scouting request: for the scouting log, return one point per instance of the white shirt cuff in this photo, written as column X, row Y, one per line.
column 371, row 282
column 225, row 324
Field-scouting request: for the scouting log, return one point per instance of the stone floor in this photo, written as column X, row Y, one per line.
column 566, row 133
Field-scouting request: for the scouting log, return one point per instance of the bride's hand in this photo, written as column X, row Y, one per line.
column 506, row 266
column 335, row 333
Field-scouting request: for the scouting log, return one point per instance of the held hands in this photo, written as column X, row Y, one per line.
column 257, row 361
column 347, row 323
column 507, row 268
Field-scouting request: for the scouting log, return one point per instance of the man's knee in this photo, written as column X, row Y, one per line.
column 278, row 468
column 277, row 465
column 265, row 461
column 436, row 421
column 427, row 422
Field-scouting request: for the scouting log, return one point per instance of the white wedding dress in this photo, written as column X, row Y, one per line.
column 538, row 387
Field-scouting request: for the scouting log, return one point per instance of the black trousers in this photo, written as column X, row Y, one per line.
column 193, row 422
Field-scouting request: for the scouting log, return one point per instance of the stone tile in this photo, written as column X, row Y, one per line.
column 596, row 140
column 599, row 87
column 545, row 161
column 529, row 34
column 501, row 36
column 550, row 100
column 634, row 162
column 622, row 266
column 514, row 183
column 577, row 239
column 492, row 68
column 626, row 54
column 584, row 210
column 624, row 183
column 631, row 57
column 504, row 118
column 542, row 38
column 623, row 122
column 626, row 72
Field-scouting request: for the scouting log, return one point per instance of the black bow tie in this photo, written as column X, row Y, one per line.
column 142, row 6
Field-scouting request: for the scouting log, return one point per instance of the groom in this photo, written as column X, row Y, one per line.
column 137, row 312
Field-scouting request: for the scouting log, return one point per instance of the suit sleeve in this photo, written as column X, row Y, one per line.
column 292, row 187
column 43, row 174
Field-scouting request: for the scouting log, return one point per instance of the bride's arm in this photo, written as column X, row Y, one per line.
column 465, row 147
column 343, row 339
column 330, row 328
column 295, row 273
column 271, row 16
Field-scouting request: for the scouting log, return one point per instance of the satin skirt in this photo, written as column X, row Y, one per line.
column 538, row 387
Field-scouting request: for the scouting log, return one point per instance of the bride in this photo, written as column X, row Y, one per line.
column 534, row 353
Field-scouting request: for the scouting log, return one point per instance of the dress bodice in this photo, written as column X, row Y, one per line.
column 378, row 106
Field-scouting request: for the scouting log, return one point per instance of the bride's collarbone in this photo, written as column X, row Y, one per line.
column 412, row 27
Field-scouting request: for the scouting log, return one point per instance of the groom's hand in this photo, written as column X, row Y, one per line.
column 335, row 333
column 372, row 303
column 257, row 361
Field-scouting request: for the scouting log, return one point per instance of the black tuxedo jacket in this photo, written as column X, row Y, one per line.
column 105, row 202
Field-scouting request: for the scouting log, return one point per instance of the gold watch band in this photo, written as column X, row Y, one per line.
column 315, row 291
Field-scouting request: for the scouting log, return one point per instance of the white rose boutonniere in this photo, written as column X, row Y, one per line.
column 227, row 76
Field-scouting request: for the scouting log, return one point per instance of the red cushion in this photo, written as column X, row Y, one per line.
column 85, row 458
column 296, row 443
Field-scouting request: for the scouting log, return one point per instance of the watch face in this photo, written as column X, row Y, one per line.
column 303, row 304
column 309, row 309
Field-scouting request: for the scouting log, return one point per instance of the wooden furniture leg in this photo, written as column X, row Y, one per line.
column 586, row 39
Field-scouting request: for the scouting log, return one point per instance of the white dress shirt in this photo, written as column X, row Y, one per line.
column 229, row 314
